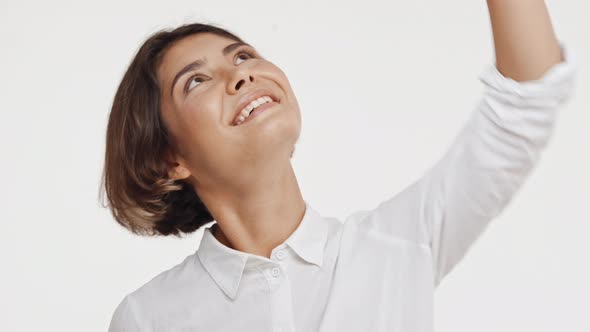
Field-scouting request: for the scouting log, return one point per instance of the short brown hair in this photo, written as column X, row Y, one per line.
column 141, row 196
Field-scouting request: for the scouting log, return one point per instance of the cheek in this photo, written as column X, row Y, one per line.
column 279, row 73
column 202, row 123
column 201, row 111
column 281, row 79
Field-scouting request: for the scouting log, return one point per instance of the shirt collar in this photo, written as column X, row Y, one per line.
column 226, row 265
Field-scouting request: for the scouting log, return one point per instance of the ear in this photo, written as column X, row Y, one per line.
column 177, row 169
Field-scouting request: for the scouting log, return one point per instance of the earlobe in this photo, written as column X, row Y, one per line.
column 176, row 170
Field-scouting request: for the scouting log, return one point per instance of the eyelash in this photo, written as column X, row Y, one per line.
column 249, row 53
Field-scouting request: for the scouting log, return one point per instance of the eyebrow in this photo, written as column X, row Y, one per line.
column 198, row 63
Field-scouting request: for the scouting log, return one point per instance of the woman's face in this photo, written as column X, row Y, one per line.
column 199, row 106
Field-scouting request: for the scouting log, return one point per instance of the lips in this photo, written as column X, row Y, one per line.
column 248, row 98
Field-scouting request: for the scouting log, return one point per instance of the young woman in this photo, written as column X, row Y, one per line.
column 203, row 128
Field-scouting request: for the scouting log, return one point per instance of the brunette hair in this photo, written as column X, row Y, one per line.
column 141, row 196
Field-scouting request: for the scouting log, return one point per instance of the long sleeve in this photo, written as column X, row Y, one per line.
column 491, row 158
column 486, row 164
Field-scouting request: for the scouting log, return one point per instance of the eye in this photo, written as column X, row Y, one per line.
column 247, row 53
column 192, row 79
column 243, row 54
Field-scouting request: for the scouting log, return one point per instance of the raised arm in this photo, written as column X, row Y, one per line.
column 498, row 147
column 524, row 40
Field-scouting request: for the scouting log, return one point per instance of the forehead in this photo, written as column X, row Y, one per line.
column 189, row 49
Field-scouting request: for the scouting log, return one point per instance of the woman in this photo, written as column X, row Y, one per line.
column 203, row 128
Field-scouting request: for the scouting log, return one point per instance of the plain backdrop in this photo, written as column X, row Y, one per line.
column 390, row 82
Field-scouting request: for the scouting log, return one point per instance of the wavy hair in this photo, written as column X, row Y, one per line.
column 141, row 196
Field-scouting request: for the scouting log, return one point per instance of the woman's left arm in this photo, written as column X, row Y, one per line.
column 524, row 40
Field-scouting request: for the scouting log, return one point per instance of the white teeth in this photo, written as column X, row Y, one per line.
column 248, row 109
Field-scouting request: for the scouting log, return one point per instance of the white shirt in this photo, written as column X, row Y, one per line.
column 377, row 269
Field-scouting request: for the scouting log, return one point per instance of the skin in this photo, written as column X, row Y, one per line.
column 243, row 174
column 524, row 40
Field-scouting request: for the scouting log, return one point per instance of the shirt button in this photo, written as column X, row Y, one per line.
column 280, row 254
column 275, row 272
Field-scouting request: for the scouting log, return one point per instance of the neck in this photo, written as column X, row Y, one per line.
column 258, row 220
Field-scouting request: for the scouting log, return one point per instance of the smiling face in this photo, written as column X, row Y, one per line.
column 199, row 104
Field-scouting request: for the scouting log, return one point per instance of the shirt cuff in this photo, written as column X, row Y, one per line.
column 556, row 83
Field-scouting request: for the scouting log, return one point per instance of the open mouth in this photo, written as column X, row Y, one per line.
column 254, row 108
column 258, row 110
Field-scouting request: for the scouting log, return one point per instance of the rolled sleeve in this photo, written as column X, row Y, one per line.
column 491, row 158
column 555, row 86
column 485, row 165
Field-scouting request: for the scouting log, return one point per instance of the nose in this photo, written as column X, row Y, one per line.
column 240, row 78
column 242, row 81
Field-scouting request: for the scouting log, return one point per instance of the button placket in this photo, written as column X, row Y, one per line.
column 281, row 298
column 275, row 271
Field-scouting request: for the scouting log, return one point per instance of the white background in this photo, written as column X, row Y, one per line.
column 394, row 81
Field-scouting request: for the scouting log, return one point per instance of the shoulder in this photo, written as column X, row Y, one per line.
column 172, row 280
column 165, row 288
column 390, row 224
